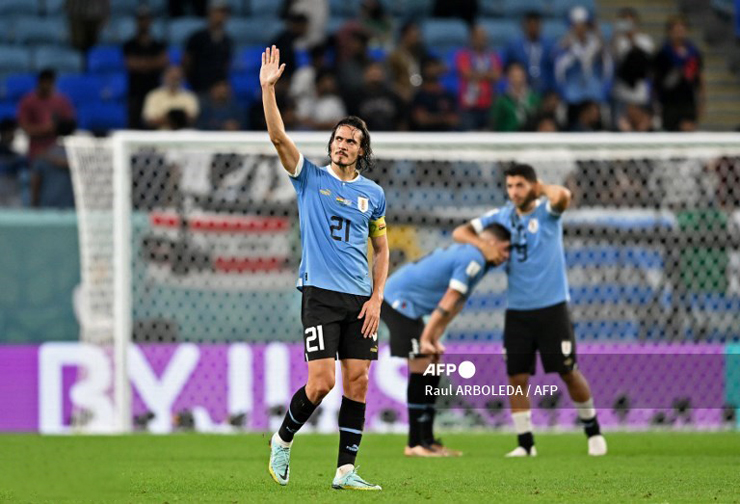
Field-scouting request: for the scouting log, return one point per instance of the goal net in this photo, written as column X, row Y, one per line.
column 190, row 245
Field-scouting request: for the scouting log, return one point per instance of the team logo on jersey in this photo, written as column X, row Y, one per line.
column 472, row 269
column 363, row 204
column 325, row 192
column 566, row 347
column 533, row 226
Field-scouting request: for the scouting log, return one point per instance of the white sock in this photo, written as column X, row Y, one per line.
column 278, row 440
column 342, row 470
column 522, row 421
column 586, row 410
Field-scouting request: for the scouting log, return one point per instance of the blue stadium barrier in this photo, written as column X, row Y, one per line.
column 104, row 59
column 60, row 58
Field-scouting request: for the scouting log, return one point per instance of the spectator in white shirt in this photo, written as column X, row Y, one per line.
column 170, row 96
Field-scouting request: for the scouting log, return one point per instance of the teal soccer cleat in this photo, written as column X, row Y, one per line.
column 279, row 465
column 352, row 481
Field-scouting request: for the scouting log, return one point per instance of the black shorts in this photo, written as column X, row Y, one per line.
column 331, row 328
column 547, row 330
column 405, row 332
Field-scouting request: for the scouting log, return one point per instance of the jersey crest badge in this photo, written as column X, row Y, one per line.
column 363, row 204
column 533, row 226
column 566, row 347
column 472, row 269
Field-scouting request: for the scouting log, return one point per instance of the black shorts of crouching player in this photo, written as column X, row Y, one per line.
column 548, row 331
column 405, row 332
column 331, row 328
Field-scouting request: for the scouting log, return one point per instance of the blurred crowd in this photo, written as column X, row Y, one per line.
column 379, row 68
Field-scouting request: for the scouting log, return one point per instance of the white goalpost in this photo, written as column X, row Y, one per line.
column 191, row 237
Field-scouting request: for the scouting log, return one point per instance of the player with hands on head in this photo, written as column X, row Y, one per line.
column 537, row 315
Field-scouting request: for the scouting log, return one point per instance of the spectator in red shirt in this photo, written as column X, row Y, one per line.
column 479, row 69
column 40, row 111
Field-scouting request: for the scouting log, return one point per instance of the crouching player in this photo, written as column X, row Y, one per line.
column 437, row 285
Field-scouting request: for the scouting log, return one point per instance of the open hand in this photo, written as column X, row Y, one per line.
column 371, row 312
column 271, row 69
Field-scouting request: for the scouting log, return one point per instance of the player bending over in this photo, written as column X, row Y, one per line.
column 537, row 314
column 436, row 285
column 339, row 210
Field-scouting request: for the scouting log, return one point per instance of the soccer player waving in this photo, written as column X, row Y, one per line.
column 537, row 316
column 437, row 285
column 339, row 210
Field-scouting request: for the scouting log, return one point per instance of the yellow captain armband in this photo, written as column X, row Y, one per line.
column 377, row 228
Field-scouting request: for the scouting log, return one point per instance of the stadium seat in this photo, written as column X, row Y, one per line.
column 16, row 85
column 101, row 116
column 123, row 7
column 102, row 59
column 491, row 8
column 554, row 29
column 264, row 8
column 500, row 31
column 51, row 7
column 121, row 29
column 38, row 30
column 61, row 59
column 80, row 88
column 114, row 86
column 182, row 28
column 174, row 54
column 410, row 9
column 8, row 110
column 14, row 59
column 344, row 8
column 245, row 85
column 443, row 34
column 254, row 31
column 561, row 8
column 18, row 7
column 517, row 8
column 248, row 59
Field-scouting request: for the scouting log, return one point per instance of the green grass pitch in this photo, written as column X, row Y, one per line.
column 662, row 467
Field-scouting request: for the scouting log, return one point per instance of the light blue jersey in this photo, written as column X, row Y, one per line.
column 536, row 265
column 416, row 288
column 336, row 218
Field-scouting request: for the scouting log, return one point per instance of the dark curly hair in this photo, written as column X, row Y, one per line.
column 364, row 162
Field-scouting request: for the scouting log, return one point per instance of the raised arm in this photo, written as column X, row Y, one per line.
column 558, row 196
column 494, row 252
column 447, row 309
column 270, row 72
